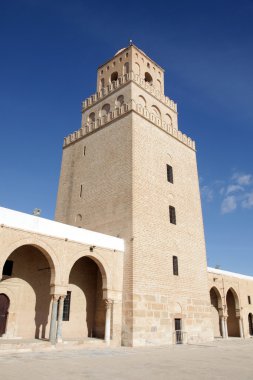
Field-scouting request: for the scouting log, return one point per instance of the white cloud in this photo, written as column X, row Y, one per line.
column 234, row 188
column 207, row 193
column 229, row 204
column 242, row 179
column 248, row 201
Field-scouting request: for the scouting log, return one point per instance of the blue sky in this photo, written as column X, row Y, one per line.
column 50, row 51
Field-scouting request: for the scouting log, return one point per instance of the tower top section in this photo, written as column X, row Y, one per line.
column 131, row 59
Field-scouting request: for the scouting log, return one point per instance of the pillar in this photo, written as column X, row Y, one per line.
column 59, row 324
column 241, row 328
column 223, row 331
column 108, row 307
column 226, row 327
column 52, row 332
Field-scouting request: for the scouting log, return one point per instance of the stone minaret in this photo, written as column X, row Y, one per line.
column 129, row 172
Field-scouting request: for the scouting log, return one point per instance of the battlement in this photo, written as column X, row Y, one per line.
column 100, row 122
column 123, row 80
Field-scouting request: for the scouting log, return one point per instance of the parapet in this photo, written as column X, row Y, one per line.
column 100, row 122
column 121, row 81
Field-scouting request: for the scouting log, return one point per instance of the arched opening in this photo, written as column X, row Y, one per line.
column 102, row 83
column 216, row 303
column 148, row 78
column 232, row 320
column 119, row 101
column 168, row 119
column 137, row 68
column 27, row 273
column 250, row 320
column 86, row 309
column 156, row 111
column 159, row 85
column 142, row 101
column 114, row 76
column 4, row 308
column 91, row 117
column 126, row 68
column 105, row 110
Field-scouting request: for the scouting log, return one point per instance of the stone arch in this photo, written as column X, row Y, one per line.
column 119, row 101
column 216, row 310
column 168, row 119
column 102, row 83
column 99, row 260
column 142, row 101
column 87, row 284
column 159, row 85
column 148, row 78
column 126, row 68
column 114, row 76
column 137, row 68
column 233, row 311
column 44, row 248
column 156, row 111
column 105, row 110
column 31, row 284
column 91, row 117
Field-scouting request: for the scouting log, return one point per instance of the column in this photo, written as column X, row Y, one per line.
column 226, row 327
column 59, row 324
column 223, row 331
column 52, row 332
column 108, row 307
column 241, row 328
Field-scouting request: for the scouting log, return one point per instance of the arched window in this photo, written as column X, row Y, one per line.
column 142, row 101
column 119, row 101
column 91, row 117
column 148, row 78
column 156, row 111
column 126, row 68
column 114, row 76
column 159, row 85
column 168, row 119
column 102, row 83
column 137, row 68
column 105, row 109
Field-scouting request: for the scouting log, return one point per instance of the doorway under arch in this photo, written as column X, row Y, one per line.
column 216, row 304
column 29, row 278
column 87, row 308
column 232, row 320
column 4, row 308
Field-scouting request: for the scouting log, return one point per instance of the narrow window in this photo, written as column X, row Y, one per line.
column 169, row 174
column 66, row 307
column 84, row 150
column 81, row 191
column 172, row 215
column 7, row 269
column 175, row 265
column 249, row 300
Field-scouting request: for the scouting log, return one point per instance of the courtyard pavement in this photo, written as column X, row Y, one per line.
column 231, row 359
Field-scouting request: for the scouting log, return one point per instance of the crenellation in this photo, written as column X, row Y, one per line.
column 118, row 112
column 120, row 82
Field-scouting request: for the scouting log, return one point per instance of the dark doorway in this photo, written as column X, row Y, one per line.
column 178, row 331
column 250, row 319
column 232, row 320
column 4, row 307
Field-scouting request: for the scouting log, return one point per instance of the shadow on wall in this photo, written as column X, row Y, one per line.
column 30, row 282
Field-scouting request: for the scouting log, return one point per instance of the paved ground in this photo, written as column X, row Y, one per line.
column 232, row 359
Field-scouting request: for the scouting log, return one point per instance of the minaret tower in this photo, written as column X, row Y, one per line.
column 129, row 172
